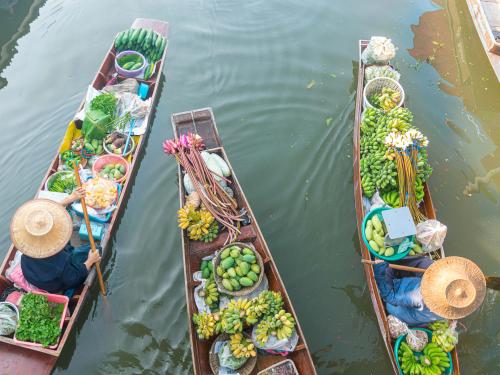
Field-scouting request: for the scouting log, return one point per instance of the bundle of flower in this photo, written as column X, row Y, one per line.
column 187, row 151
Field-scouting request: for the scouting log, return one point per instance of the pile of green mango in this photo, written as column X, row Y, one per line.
column 238, row 268
column 375, row 232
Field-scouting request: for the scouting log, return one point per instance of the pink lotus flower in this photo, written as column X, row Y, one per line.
column 170, row 147
column 184, row 141
column 195, row 141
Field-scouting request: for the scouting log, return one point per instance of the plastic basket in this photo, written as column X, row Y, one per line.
column 396, row 256
column 397, row 344
column 55, row 298
column 130, row 73
column 50, row 179
column 280, row 368
column 131, row 146
column 377, row 84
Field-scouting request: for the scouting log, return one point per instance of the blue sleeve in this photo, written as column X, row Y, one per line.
column 74, row 274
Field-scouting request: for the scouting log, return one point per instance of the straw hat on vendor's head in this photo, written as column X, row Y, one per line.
column 453, row 287
column 41, row 228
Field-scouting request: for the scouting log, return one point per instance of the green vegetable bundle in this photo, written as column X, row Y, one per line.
column 146, row 41
column 377, row 163
column 39, row 320
column 63, row 183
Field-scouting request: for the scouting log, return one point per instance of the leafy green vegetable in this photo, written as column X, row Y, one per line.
column 63, row 183
column 106, row 103
column 39, row 320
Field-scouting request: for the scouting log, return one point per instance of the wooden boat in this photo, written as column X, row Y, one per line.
column 427, row 208
column 16, row 358
column 202, row 122
column 486, row 17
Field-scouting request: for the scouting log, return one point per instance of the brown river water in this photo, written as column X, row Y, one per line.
column 280, row 76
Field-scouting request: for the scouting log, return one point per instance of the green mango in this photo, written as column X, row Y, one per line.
column 227, row 263
column 252, row 276
column 255, row 268
column 247, row 282
column 244, row 267
column 231, row 272
column 225, row 253
column 227, row 285
column 247, row 251
column 249, row 258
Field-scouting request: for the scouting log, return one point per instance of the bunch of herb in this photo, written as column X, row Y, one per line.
column 106, row 103
column 39, row 320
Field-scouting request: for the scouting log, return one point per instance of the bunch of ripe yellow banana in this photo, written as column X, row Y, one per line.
column 207, row 325
column 241, row 347
column 234, row 315
column 388, row 98
column 280, row 325
column 210, row 293
column 196, row 221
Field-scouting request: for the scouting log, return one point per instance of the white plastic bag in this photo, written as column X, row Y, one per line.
column 431, row 234
column 228, row 363
column 379, row 51
column 376, row 71
column 396, row 327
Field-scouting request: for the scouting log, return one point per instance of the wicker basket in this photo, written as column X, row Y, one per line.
column 376, row 85
column 245, row 290
column 284, row 367
column 213, row 358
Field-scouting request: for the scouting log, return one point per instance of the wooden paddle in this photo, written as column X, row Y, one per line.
column 492, row 282
column 89, row 231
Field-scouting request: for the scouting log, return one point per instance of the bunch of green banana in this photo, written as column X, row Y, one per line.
column 280, row 325
column 398, row 125
column 210, row 293
column 370, row 119
column 145, row 41
column 402, row 114
column 424, row 170
column 241, row 347
column 391, row 198
column 234, row 315
column 443, row 336
column 207, row 325
column 213, row 232
column 387, row 99
column 433, row 360
column 419, row 189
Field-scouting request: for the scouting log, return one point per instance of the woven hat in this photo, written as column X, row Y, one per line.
column 453, row 287
column 41, row 228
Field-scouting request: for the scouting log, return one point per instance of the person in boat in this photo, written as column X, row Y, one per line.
column 451, row 288
column 41, row 230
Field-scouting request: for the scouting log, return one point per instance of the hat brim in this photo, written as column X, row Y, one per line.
column 41, row 246
column 439, row 275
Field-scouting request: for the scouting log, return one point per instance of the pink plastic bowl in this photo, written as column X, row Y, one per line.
column 102, row 161
column 55, row 298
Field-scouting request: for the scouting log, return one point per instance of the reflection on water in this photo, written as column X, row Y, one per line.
column 16, row 16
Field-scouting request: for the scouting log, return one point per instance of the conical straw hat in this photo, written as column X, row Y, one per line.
column 41, row 228
column 453, row 287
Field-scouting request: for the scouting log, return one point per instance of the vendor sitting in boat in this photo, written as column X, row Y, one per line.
column 41, row 230
column 451, row 288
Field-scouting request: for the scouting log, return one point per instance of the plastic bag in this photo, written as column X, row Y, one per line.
column 431, row 234
column 396, row 327
column 376, row 201
column 274, row 345
column 9, row 316
column 129, row 85
column 376, row 71
column 91, row 94
column 227, row 360
column 379, row 51
column 417, row 339
column 444, row 334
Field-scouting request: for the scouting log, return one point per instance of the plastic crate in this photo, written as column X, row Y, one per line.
column 286, row 367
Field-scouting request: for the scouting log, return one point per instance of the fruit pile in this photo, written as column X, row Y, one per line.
column 242, row 313
column 146, row 41
column 385, row 99
column 377, row 164
column 432, row 361
column 375, row 233
column 113, row 171
column 238, row 268
column 131, row 62
column 443, row 335
column 280, row 325
column 199, row 223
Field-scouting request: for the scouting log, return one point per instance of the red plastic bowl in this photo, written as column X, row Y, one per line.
column 102, row 161
column 55, row 298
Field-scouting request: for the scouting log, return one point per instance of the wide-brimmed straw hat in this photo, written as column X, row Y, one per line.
column 41, row 228
column 453, row 287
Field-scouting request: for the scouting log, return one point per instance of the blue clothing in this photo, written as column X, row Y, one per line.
column 59, row 272
column 400, row 290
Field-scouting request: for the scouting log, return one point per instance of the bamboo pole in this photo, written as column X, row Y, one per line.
column 89, row 231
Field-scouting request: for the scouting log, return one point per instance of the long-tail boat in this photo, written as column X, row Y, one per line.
column 16, row 358
column 426, row 207
column 202, row 122
column 486, row 17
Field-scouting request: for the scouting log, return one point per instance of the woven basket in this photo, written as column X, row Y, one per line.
column 245, row 290
column 376, row 85
column 280, row 368
column 213, row 358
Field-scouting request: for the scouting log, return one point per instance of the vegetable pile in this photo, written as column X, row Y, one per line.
column 113, row 171
column 39, row 320
column 238, row 268
column 62, row 182
column 432, row 361
column 115, row 143
column 131, row 62
column 146, row 41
